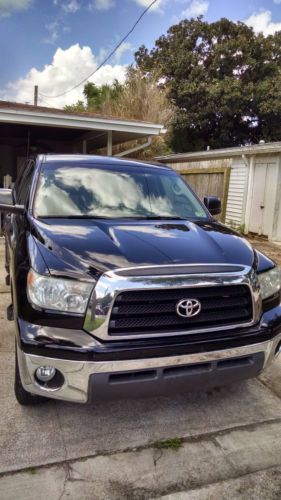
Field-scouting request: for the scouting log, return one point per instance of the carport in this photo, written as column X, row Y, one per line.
column 29, row 130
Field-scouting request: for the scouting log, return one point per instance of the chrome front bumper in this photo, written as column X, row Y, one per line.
column 78, row 375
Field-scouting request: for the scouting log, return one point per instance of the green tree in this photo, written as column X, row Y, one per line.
column 78, row 107
column 96, row 97
column 222, row 78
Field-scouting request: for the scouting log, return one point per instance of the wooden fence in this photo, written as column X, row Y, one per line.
column 212, row 181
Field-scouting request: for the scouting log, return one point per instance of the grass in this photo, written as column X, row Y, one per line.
column 169, row 444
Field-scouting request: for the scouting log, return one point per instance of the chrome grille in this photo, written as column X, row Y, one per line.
column 138, row 312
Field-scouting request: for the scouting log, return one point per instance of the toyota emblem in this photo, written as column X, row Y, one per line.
column 188, row 308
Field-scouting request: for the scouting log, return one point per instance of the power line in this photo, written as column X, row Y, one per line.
column 107, row 58
column 44, row 101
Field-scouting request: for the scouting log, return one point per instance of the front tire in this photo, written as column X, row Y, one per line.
column 24, row 397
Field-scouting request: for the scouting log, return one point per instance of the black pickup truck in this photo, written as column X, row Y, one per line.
column 123, row 284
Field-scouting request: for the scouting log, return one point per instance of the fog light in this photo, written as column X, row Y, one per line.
column 45, row 373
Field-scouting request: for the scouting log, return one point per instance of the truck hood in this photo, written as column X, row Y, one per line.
column 86, row 246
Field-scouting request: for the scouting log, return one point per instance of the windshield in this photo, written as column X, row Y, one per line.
column 86, row 191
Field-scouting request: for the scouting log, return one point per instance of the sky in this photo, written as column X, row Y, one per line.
column 56, row 43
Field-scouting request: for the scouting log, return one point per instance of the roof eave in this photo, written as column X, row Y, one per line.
column 223, row 153
column 26, row 117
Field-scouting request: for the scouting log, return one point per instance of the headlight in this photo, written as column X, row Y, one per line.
column 58, row 294
column 270, row 282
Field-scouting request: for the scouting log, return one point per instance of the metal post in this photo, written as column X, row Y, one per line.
column 135, row 149
column 109, row 143
column 35, row 95
column 84, row 147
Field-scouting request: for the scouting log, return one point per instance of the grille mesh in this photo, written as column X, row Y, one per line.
column 154, row 311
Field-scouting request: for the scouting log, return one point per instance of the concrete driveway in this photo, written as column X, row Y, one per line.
column 221, row 444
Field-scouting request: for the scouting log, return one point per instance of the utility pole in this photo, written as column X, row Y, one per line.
column 35, row 95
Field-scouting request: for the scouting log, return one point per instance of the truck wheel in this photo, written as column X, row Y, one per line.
column 24, row 397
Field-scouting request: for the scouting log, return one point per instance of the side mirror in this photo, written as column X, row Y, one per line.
column 7, row 203
column 213, row 204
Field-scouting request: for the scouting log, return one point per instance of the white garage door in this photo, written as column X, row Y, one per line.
column 263, row 198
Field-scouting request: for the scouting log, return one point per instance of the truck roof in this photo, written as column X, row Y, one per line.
column 99, row 160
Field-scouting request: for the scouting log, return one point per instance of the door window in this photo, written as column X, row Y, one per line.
column 23, row 183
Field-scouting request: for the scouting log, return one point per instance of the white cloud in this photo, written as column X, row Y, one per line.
column 102, row 4
column 146, row 3
column 195, row 8
column 68, row 6
column 53, row 32
column 55, row 29
column 67, row 68
column 7, row 7
column 277, row 1
column 71, row 6
column 262, row 22
column 125, row 47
